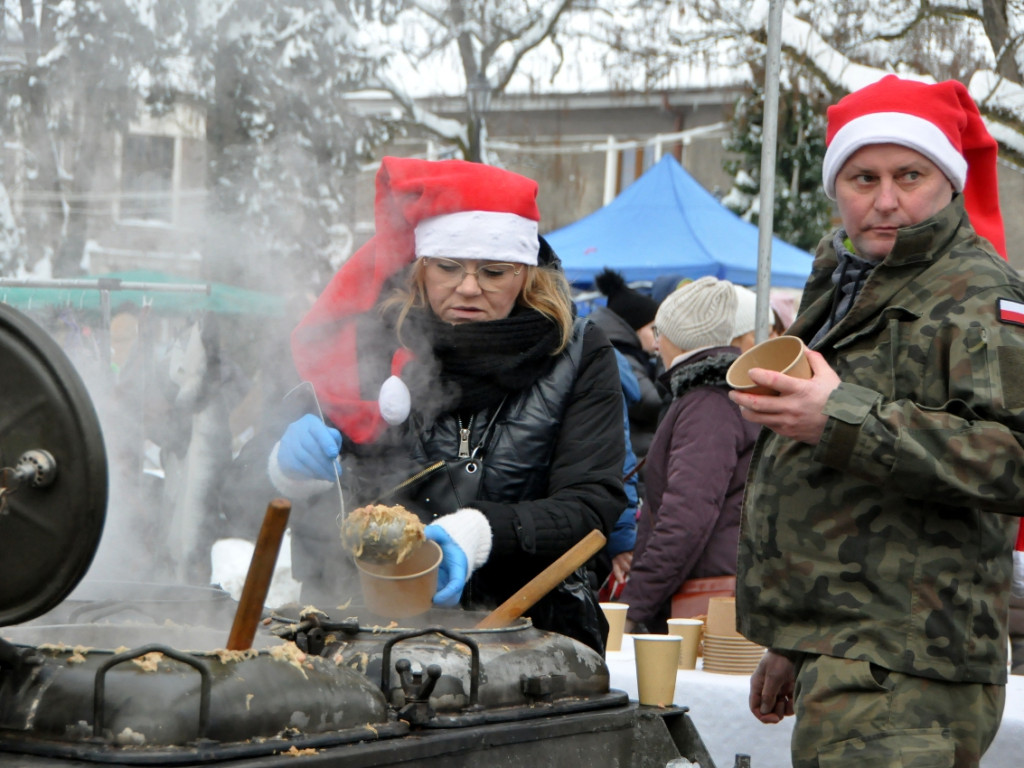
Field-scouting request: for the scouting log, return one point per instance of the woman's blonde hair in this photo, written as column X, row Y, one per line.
column 545, row 290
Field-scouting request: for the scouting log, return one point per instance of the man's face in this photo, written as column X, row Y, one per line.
column 884, row 187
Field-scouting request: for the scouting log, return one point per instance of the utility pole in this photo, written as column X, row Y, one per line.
column 478, row 102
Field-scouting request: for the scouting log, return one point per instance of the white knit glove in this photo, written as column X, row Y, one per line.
column 471, row 530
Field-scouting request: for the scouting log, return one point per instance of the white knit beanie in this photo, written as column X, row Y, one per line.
column 698, row 314
column 746, row 311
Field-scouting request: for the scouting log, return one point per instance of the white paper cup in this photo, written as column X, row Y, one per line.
column 657, row 659
column 616, row 615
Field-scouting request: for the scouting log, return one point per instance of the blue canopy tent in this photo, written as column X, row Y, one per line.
column 665, row 222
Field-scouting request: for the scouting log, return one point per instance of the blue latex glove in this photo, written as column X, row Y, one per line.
column 454, row 570
column 308, row 449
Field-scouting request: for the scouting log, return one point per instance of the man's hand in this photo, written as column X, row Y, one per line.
column 796, row 412
column 771, row 688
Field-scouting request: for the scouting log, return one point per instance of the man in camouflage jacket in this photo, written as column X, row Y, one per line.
column 875, row 547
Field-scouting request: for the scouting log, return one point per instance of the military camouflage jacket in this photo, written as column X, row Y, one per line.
column 891, row 539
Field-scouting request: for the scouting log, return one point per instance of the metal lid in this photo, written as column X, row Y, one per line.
column 51, row 517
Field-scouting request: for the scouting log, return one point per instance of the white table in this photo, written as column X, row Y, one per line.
column 718, row 708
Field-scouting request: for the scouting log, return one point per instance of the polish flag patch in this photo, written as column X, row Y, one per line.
column 1011, row 312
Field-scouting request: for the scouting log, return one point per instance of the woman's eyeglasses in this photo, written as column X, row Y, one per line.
column 449, row 273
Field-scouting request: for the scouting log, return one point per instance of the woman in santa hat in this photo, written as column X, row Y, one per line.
column 452, row 335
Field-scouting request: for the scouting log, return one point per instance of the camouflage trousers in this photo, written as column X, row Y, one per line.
column 854, row 713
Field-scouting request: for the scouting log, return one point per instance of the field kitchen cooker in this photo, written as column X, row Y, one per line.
column 92, row 685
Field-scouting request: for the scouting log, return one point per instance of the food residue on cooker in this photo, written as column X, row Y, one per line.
column 78, row 655
column 248, row 700
column 149, row 662
column 296, row 752
column 290, row 653
column 372, row 730
column 225, row 656
column 368, row 523
column 359, row 663
column 344, row 606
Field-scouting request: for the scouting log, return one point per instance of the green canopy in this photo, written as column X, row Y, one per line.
column 221, row 298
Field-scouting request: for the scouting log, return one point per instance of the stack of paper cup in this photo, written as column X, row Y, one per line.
column 726, row 651
column 616, row 615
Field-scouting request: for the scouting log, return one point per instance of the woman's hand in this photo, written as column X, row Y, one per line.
column 308, row 449
column 453, row 572
column 621, row 564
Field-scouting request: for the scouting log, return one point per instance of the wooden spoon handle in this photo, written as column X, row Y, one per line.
column 544, row 582
column 261, row 571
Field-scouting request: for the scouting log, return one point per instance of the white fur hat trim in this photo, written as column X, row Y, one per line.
column 911, row 131
column 489, row 235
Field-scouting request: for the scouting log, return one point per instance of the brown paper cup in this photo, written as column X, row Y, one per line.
column 657, row 659
column 398, row 590
column 721, row 620
column 689, row 630
column 785, row 354
column 616, row 615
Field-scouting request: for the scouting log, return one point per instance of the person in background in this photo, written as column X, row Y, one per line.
column 698, row 461
column 611, row 566
column 451, row 335
column 628, row 320
column 875, row 549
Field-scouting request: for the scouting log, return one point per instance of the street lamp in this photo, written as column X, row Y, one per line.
column 478, row 100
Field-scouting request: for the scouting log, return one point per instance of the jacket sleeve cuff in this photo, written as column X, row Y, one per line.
column 470, row 529
column 847, row 408
column 290, row 487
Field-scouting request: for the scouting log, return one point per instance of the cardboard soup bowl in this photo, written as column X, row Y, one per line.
column 785, row 354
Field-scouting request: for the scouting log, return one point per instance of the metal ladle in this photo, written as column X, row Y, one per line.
column 376, row 542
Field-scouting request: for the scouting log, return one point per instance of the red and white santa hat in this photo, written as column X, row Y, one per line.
column 941, row 121
column 448, row 208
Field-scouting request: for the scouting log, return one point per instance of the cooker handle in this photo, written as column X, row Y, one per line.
column 99, row 689
column 474, row 663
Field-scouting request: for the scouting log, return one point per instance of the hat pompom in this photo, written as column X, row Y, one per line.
column 394, row 400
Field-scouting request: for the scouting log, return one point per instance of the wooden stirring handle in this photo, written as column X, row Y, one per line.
column 544, row 582
column 257, row 580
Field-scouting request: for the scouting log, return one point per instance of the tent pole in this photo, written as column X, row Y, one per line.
column 769, row 134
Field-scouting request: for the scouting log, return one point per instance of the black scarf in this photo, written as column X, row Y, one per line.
column 849, row 277
column 482, row 362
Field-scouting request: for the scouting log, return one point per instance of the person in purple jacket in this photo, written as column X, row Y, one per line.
column 697, row 464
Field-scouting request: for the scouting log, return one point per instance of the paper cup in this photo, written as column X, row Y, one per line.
column 616, row 615
column 785, row 354
column 399, row 590
column 657, row 659
column 690, row 630
column 721, row 620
